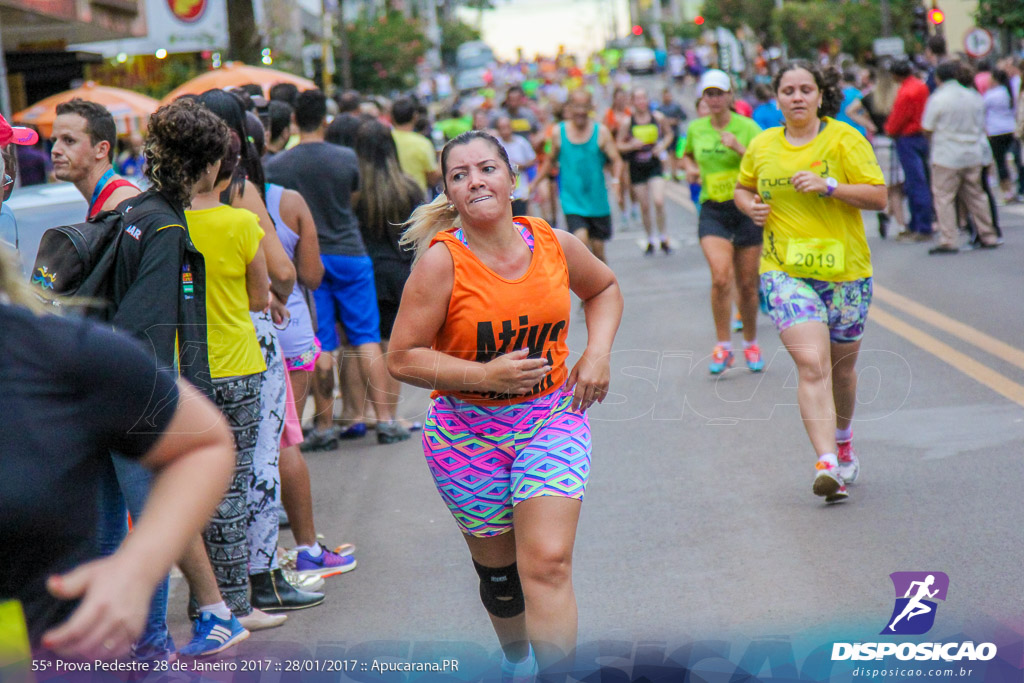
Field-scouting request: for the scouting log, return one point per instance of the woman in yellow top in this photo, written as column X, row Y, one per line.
column 236, row 282
column 807, row 184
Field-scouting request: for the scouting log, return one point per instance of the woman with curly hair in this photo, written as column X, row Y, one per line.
column 271, row 591
column 806, row 183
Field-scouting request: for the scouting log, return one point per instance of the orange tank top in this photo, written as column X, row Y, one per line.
column 489, row 316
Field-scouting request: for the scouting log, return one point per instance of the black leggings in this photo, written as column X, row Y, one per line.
column 1001, row 144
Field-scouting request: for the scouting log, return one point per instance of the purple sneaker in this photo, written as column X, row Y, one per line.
column 328, row 564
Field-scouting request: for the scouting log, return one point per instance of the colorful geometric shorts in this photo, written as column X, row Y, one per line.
column 843, row 306
column 306, row 361
column 485, row 460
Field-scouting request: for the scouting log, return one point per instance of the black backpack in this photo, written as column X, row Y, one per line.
column 78, row 260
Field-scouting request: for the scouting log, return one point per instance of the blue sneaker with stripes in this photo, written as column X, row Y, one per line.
column 211, row 634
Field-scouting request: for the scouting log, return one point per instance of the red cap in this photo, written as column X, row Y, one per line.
column 17, row 134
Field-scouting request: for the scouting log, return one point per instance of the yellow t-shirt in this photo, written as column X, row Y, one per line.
column 228, row 239
column 416, row 155
column 806, row 227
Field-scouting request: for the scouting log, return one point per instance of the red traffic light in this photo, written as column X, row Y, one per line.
column 638, row 30
column 699, row 20
column 936, row 16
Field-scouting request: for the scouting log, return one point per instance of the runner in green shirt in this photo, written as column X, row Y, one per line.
column 730, row 240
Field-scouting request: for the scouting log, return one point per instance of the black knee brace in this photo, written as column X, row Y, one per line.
column 500, row 590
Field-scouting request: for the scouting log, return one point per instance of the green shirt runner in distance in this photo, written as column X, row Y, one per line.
column 719, row 165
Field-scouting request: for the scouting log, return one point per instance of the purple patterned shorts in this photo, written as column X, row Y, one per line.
column 843, row 306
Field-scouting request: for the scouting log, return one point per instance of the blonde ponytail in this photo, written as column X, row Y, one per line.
column 426, row 221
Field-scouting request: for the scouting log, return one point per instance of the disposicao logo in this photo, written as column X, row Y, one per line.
column 916, row 592
column 914, row 615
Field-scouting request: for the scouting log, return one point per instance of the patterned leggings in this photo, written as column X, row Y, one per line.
column 239, row 400
column 264, row 492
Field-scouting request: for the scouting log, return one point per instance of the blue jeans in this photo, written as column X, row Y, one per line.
column 126, row 481
column 913, row 153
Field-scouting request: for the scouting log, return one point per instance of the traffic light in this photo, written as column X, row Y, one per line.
column 699, row 20
column 638, row 30
column 919, row 25
column 936, row 16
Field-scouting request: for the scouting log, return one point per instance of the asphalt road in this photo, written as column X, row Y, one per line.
column 699, row 522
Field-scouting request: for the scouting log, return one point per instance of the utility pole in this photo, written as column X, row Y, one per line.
column 657, row 34
column 326, row 46
column 886, row 19
column 433, row 33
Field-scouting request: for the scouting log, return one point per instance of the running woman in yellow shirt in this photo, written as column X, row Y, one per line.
column 807, row 184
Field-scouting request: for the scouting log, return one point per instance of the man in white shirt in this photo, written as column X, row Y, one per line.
column 954, row 118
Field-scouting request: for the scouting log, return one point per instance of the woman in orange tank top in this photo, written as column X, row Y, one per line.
column 483, row 322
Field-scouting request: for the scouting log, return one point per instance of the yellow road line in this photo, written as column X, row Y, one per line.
column 946, row 353
column 977, row 338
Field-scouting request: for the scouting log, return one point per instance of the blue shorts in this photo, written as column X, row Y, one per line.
column 348, row 296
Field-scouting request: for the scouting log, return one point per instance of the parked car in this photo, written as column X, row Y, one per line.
column 473, row 62
column 639, row 60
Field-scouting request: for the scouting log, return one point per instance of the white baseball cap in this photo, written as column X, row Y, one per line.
column 714, row 78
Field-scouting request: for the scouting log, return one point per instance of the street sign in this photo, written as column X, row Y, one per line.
column 888, row 47
column 978, row 42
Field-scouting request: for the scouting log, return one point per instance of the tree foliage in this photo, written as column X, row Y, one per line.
column 733, row 14
column 806, row 26
column 1007, row 15
column 453, row 34
column 384, row 52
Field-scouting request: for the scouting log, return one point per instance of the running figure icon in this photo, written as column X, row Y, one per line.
column 916, row 607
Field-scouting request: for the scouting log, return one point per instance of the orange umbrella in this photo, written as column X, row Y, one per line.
column 234, row 74
column 130, row 109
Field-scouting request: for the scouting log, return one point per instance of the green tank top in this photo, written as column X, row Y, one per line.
column 581, row 176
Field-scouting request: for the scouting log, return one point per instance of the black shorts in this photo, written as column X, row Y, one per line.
column 723, row 219
column 597, row 227
column 641, row 173
column 389, row 275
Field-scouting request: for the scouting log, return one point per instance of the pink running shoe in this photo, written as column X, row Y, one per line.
column 849, row 465
column 753, row 356
column 721, row 360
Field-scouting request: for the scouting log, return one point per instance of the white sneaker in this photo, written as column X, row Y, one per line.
column 849, row 465
column 828, row 483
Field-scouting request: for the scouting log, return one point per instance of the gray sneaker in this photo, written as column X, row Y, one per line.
column 320, row 440
column 391, row 432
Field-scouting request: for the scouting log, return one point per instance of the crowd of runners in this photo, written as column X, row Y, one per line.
column 273, row 250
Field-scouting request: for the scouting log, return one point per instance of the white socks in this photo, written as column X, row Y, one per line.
column 219, row 610
column 315, row 550
column 829, row 458
column 844, row 435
